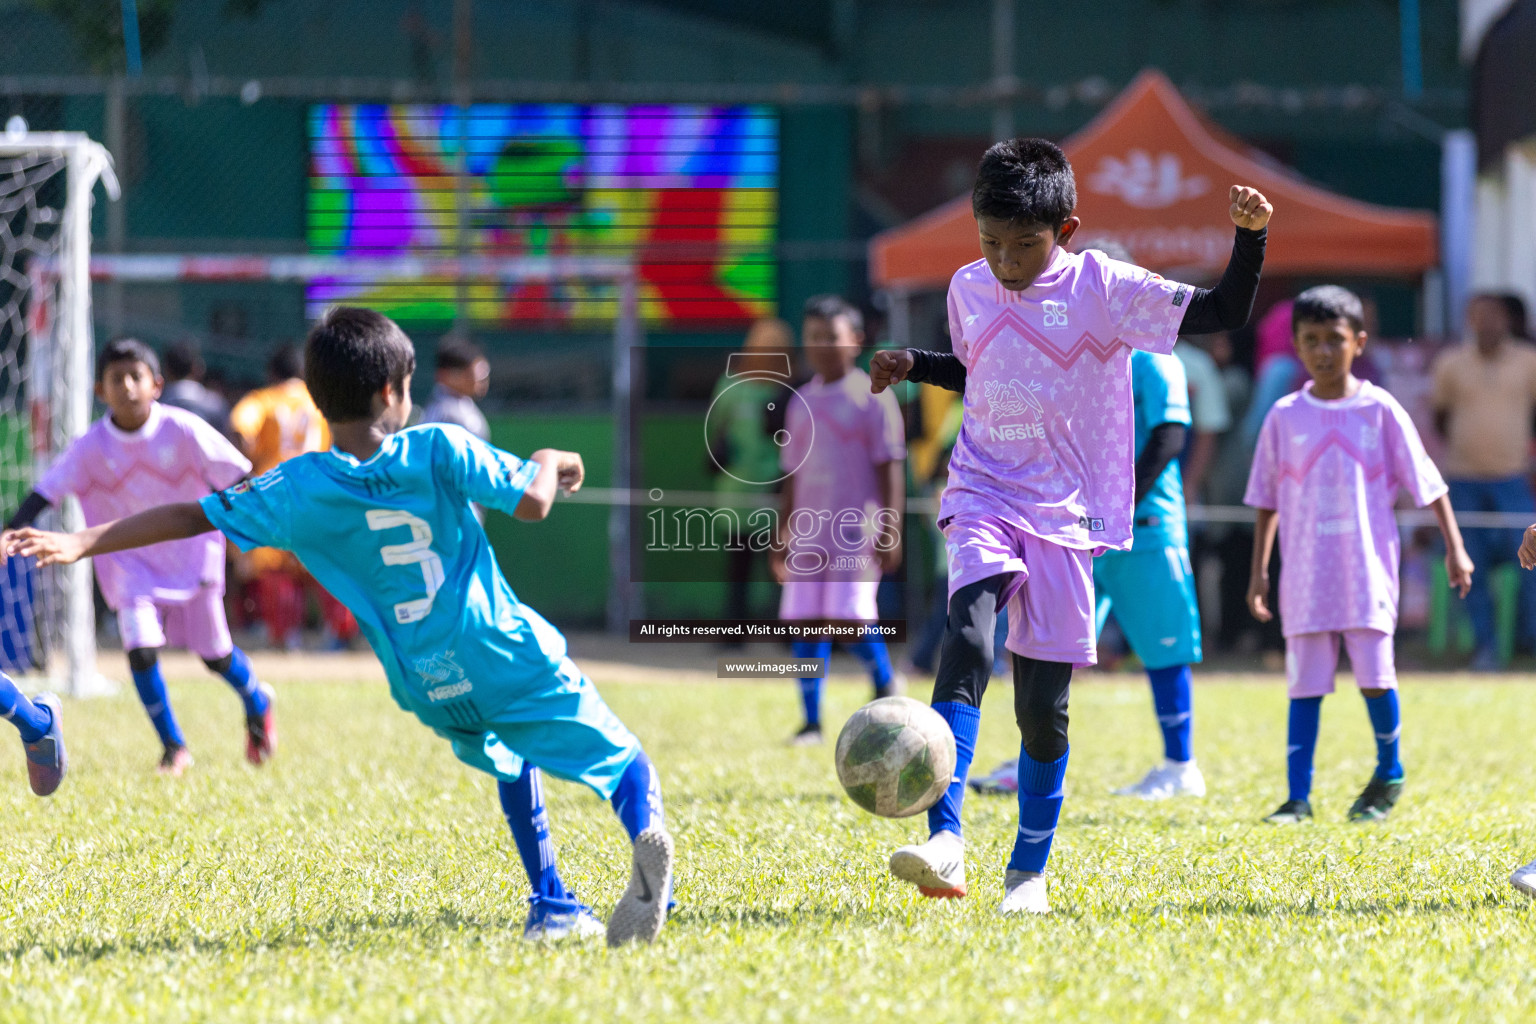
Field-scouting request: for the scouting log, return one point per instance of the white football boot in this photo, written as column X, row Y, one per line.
column 1024, row 893
column 642, row 910
column 1524, row 879
column 1169, row 779
column 936, row 867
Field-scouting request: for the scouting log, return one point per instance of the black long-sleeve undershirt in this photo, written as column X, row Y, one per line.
column 30, row 509
column 1229, row 305
column 1164, row 442
column 1223, row 308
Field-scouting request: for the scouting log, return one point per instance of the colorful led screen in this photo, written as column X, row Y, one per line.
column 686, row 194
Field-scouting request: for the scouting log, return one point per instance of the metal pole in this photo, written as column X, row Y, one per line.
column 74, row 365
column 624, row 600
column 117, row 216
column 1003, row 62
column 1413, row 57
column 1458, row 216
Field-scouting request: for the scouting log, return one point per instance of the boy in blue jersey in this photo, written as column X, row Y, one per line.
column 42, row 735
column 385, row 522
column 1151, row 587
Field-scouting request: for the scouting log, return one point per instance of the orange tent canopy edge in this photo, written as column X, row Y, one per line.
column 1153, row 174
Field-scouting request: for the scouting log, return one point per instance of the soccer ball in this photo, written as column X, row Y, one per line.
column 895, row 757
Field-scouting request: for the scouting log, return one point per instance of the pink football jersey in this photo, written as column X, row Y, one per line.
column 1332, row 471
column 174, row 457
column 838, row 434
column 1047, row 440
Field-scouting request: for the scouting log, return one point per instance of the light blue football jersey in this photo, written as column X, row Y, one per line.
column 1161, row 392
column 395, row 539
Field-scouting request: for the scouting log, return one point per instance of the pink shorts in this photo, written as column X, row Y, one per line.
column 198, row 624
column 1049, row 593
column 838, row 599
column 1312, row 659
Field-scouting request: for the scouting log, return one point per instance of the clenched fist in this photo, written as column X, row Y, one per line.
column 1249, row 208
column 888, row 366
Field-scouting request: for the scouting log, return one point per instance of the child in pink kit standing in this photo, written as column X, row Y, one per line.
column 1329, row 463
column 1042, row 476
column 841, row 524
column 143, row 454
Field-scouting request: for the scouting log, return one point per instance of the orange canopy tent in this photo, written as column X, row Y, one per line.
column 1153, row 175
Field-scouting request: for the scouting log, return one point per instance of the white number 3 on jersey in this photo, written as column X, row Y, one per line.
column 1055, row 313
column 417, row 552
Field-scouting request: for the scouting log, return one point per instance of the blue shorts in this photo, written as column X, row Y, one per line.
column 1153, row 596
column 564, row 729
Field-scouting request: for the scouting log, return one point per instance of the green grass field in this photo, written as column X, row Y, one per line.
column 367, row 876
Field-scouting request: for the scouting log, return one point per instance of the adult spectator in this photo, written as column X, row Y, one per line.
column 1484, row 395
column 183, row 367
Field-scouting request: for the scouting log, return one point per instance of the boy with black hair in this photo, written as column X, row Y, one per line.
column 1329, row 463
column 383, row 521
column 845, row 478
column 463, row 375
column 142, row 454
column 1042, row 474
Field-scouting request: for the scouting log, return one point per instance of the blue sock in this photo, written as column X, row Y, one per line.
column 1301, row 740
column 1039, row 810
column 151, row 686
column 242, row 677
column 1387, row 722
column 965, row 722
column 522, row 802
column 31, row 720
column 1173, row 699
column 810, row 689
column 637, row 800
column 878, row 660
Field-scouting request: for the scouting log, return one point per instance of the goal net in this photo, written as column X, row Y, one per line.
column 47, row 622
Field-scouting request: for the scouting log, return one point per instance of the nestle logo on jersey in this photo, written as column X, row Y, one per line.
column 450, row 691
column 1018, row 432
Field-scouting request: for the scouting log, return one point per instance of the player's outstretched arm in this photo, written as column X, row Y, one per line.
column 1258, row 574
column 1228, row 306
column 1458, row 564
column 152, row 526
column 558, row 471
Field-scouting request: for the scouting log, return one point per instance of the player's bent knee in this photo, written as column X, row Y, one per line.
column 142, row 659
column 220, row 665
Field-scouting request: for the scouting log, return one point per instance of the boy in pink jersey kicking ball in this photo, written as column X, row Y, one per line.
column 841, row 522
column 1329, row 463
column 140, row 455
column 1042, row 474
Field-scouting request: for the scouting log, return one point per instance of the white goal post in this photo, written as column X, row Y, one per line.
column 46, row 354
column 624, row 596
